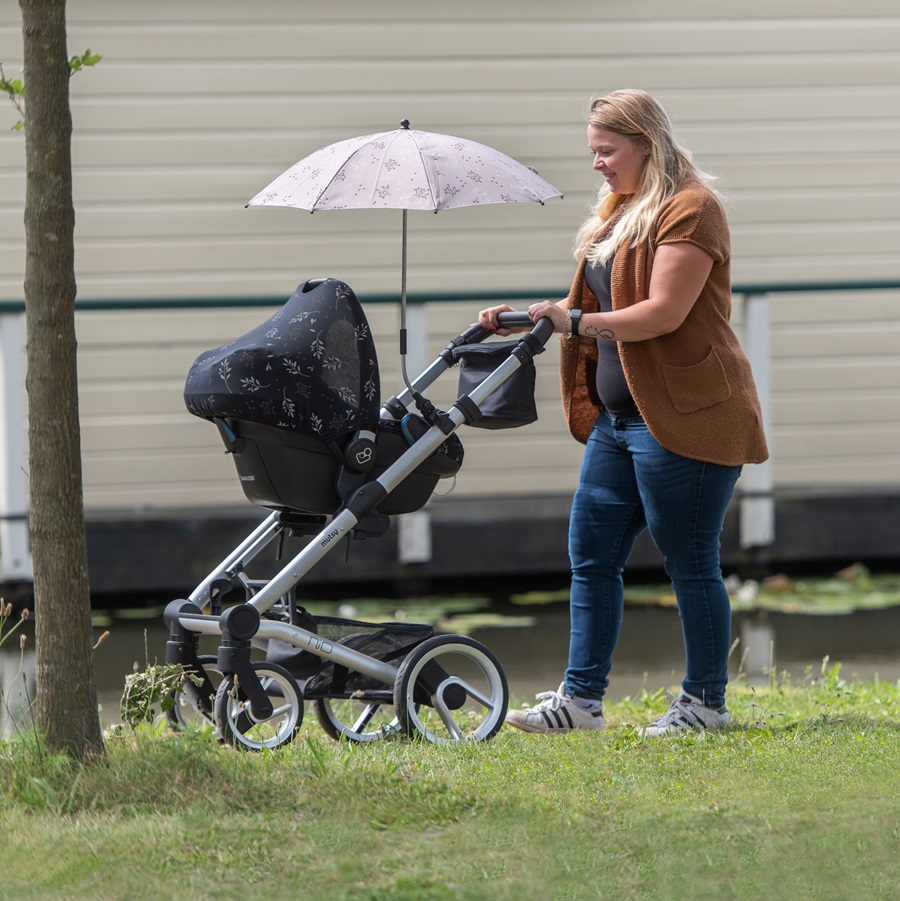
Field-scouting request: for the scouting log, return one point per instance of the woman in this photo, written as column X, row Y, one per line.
column 655, row 383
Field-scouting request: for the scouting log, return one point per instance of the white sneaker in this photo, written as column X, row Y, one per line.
column 557, row 714
column 687, row 714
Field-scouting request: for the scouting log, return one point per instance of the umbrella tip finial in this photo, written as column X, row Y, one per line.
column 404, row 123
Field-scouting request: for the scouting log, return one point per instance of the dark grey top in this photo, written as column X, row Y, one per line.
column 611, row 385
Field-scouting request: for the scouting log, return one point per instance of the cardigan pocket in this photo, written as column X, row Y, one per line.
column 697, row 387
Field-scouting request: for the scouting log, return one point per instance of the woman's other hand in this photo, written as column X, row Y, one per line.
column 487, row 319
column 547, row 309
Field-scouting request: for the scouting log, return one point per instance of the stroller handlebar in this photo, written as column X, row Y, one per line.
column 535, row 340
column 514, row 319
column 542, row 329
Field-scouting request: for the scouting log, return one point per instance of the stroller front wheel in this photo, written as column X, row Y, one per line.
column 235, row 719
column 192, row 704
column 451, row 688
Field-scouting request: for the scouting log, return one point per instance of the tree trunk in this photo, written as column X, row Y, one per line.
column 66, row 687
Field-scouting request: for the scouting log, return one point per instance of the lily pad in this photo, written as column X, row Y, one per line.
column 851, row 589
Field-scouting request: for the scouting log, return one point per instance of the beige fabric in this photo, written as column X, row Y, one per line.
column 694, row 386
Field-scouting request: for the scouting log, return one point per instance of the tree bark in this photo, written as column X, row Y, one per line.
column 66, row 685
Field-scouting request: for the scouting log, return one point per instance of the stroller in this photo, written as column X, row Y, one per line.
column 297, row 405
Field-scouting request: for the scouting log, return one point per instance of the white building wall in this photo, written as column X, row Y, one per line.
column 195, row 106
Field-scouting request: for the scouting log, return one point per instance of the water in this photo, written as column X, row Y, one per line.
column 649, row 655
column 650, row 652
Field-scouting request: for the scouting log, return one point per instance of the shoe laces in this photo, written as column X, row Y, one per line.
column 680, row 712
column 676, row 711
column 551, row 700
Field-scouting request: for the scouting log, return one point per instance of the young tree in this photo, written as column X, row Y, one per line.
column 66, row 685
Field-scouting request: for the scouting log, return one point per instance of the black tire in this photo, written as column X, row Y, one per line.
column 193, row 705
column 356, row 720
column 467, row 703
column 235, row 720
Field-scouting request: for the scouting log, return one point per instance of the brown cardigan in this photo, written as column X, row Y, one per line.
column 693, row 387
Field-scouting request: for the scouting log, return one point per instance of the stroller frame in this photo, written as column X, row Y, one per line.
column 260, row 705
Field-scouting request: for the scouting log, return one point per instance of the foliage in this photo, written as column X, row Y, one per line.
column 152, row 691
column 16, row 89
column 77, row 63
column 853, row 588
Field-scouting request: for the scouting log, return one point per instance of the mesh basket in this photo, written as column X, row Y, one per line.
column 301, row 664
column 388, row 642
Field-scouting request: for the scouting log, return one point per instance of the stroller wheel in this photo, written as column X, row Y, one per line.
column 193, row 704
column 356, row 720
column 451, row 688
column 235, row 719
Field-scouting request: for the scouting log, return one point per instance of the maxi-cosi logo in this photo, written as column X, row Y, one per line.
column 330, row 537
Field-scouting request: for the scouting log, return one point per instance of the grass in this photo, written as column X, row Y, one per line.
column 800, row 799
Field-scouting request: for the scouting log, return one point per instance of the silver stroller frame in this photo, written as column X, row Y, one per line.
column 448, row 688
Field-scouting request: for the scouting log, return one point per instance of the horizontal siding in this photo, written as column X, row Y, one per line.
column 835, row 403
column 194, row 109
column 836, row 388
column 793, row 104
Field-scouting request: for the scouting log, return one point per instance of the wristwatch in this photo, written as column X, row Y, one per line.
column 575, row 321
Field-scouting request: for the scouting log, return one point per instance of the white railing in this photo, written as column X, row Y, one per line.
column 15, row 547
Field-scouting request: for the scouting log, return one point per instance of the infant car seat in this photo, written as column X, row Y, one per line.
column 291, row 398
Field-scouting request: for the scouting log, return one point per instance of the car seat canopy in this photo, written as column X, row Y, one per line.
column 310, row 368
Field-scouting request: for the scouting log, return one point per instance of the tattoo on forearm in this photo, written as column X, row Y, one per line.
column 606, row 333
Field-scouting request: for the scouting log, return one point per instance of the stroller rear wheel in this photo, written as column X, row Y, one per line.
column 451, row 688
column 356, row 720
column 235, row 719
column 193, row 704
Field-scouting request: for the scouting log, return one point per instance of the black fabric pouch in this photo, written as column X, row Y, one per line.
column 512, row 404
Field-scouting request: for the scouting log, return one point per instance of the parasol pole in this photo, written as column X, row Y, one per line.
column 403, row 332
column 424, row 406
column 404, row 125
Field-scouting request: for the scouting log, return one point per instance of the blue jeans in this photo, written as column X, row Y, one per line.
column 630, row 482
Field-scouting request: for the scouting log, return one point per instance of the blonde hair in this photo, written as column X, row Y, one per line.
column 638, row 116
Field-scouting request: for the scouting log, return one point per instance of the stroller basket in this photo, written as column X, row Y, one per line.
column 388, row 642
column 513, row 404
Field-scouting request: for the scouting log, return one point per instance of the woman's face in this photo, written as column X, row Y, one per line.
column 618, row 158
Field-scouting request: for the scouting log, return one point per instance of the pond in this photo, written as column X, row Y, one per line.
column 531, row 642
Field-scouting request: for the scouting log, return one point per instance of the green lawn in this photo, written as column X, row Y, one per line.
column 800, row 799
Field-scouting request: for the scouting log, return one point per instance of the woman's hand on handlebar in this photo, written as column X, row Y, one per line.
column 549, row 310
column 487, row 319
